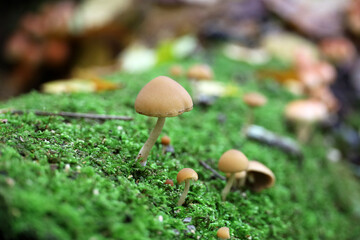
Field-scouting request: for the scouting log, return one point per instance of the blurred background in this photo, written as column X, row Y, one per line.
column 43, row 41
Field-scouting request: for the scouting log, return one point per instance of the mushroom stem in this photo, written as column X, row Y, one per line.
column 251, row 116
column 241, row 182
column 145, row 150
column 227, row 188
column 303, row 132
column 185, row 192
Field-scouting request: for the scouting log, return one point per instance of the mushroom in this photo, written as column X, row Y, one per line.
column 259, row 176
column 240, row 178
column 165, row 140
column 232, row 161
column 223, row 233
column 185, row 174
column 253, row 100
column 162, row 97
column 169, row 182
column 305, row 114
column 166, row 147
column 176, row 70
column 200, row 72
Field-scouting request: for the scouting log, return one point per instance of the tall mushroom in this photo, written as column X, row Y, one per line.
column 232, row 161
column 162, row 97
column 305, row 114
column 185, row 174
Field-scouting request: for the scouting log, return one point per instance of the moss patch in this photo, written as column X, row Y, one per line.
column 66, row 178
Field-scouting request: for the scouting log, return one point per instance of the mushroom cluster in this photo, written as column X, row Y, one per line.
column 240, row 170
column 163, row 97
column 232, row 161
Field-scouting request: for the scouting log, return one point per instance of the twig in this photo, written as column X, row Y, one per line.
column 70, row 114
column 212, row 170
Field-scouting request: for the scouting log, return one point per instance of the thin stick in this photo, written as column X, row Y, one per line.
column 70, row 114
column 212, row 170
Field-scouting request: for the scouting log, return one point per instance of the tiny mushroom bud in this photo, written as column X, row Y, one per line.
column 232, row 161
column 200, row 72
column 162, row 97
column 253, row 100
column 223, row 233
column 169, row 182
column 176, row 71
column 259, row 176
column 185, row 174
column 305, row 114
column 165, row 140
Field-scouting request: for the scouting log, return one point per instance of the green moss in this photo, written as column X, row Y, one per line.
column 104, row 194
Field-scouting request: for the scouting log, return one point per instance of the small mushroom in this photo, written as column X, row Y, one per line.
column 253, row 100
column 200, row 72
column 162, row 97
column 305, row 114
column 185, row 174
column 169, row 182
column 176, row 70
column 232, row 161
column 259, row 177
column 223, row 233
column 165, row 140
column 166, row 147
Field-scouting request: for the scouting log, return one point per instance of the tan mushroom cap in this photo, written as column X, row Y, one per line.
column 223, row 233
column 200, row 72
column 163, row 97
column 186, row 173
column 233, row 161
column 262, row 176
column 308, row 111
column 254, row 99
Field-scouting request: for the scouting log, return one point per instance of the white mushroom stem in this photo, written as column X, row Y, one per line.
column 145, row 150
column 227, row 188
column 185, row 192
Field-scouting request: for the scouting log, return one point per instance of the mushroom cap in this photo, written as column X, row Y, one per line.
column 186, row 173
column 233, row 161
column 176, row 70
column 223, row 233
column 165, row 140
column 163, row 97
column 200, row 72
column 254, row 99
column 263, row 177
column 306, row 111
